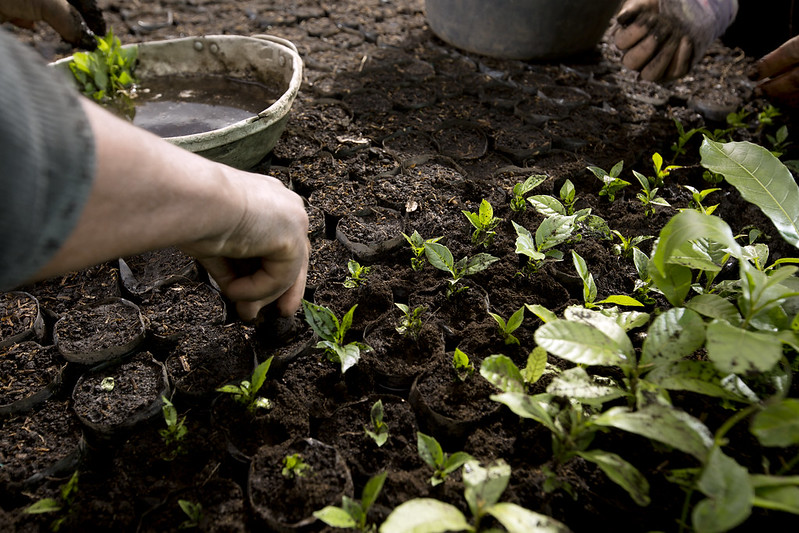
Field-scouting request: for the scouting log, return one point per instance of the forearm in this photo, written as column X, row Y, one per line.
column 146, row 194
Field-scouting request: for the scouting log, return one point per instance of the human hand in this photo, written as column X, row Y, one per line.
column 77, row 21
column 663, row 39
column 265, row 257
column 778, row 72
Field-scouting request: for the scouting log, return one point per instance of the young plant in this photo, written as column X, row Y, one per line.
column 661, row 172
column 626, row 245
column 483, row 486
column 193, row 512
column 64, row 505
column 353, row 514
column 418, row 243
column 440, row 257
column 611, row 182
column 564, row 205
column 590, row 290
column 507, row 328
column 411, row 321
column 333, row 332
column 484, row 223
column 379, row 429
column 648, row 195
column 462, row 365
column 294, row 466
column 174, row 432
column 433, row 455
column 356, row 274
column 679, row 147
column 108, row 72
column 553, row 231
column 698, row 196
column 518, row 201
column 246, row 392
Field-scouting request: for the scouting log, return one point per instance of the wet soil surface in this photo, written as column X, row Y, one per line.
column 390, row 116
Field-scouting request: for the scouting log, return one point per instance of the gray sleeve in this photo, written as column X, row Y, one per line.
column 47, row 161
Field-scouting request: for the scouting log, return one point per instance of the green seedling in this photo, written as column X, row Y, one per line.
column 353, row 514
column 590, row 290
column 333, row 332
column 779, row 141
column 484, row 223
column 506, row 329
column 483, row 486
column 433, row 455
column 379, row 430
column 356, row 274
column 553, row 231
column 411, row 321
column 193, row 512
column 518, row 201
column 294, row 466
column 661, row 172
column 626, row 245
column 611, row 182
column 766, row 117
column 462, row 365
column 684, row 136
column 64, row 505
column 418, row 243
column 440, row 257
column 246, row 392
column 648, row 195
column 174, row 432
column 564, row 205
column 107, row 73
column 698, row 196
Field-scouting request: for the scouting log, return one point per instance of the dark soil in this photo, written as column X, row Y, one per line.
column 389, row 116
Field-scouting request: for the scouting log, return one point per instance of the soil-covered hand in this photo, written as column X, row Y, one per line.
column 77, row 21
column 779, row 72
column 265, row 257
column 663, row 39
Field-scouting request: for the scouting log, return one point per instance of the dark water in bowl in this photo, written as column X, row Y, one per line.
column 172, row 106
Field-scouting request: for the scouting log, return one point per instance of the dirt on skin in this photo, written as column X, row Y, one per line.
column 389, row 115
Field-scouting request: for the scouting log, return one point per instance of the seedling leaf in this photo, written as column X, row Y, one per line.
column 425, row 515
column 517, row 519
column 501, row 372
column 579, row 343
column 778, row 424
column 622, row 473
column 729, row 495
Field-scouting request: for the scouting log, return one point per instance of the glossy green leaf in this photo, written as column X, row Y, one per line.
column 664, row 424
column 714, row 306
column 517, row 519
column 622, row 473
column 575, row 383
column 503, row 373
column 335, row 517
column 674, row 334
column 741, row 351
column 547, row 205
column 371, row 490
column 534, row 407
column 425, row 515
column 778, row 424
column 701, row 377
column 483, row 485
column 729, row 495
column 439, row 256
column 579, row 343
column 761, row 178
column 429, row 450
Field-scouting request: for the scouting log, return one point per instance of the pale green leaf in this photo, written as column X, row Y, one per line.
column 701, row 377
column 778, row 424
column 761, row 178
column 547, row 205
column 517, row 519
column 674, row 334
column 714, row 306
column 429, row 450
column 729, row 495
column 439, row 256
column 622, row 473
column 425, row 515
column 579, row 343
column 741, row 351
column 575, row 383
column 536, row 364
column 664, row 424
column 503, row 373
column 335, row 517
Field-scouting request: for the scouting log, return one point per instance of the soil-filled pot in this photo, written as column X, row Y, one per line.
column 286, row 502
column 172, row 310
column 449, row 405
column 283, row 338
column 346, row 430
column 372, row 233
column 206, row 358
column 114, row 397
column 397, row 358
column 21, row 318
column 221, row 504
column 456, row 309
column 373, row 298
column 521, row 29
column 100, row 332
column 29, row 374
column 143, row 272
column 285, row 419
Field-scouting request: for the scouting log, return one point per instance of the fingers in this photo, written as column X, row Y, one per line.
column 779, row 60
column 59, row 14
column 656, row 68
column 783, row 90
